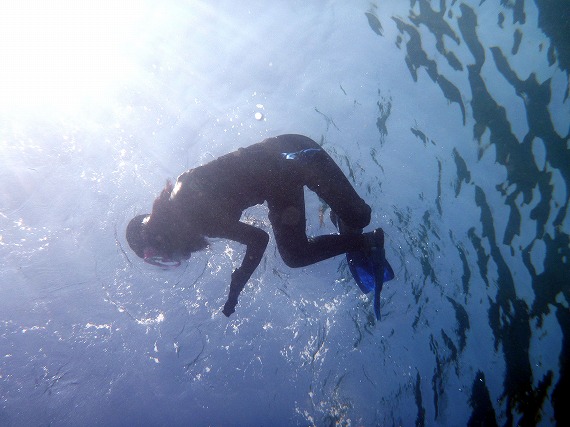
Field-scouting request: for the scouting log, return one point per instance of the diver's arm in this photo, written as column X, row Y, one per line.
column 256, row 241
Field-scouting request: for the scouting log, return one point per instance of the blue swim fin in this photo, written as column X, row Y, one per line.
column 379, row 261
column 362, row 269
column 370, row 271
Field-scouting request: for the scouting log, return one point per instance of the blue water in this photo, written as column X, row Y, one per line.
column 452, row 120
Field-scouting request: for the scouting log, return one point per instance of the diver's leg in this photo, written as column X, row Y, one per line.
column 318, row 171
column 323, row 176
column 287, row 216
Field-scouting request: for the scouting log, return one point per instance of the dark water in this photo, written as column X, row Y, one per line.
column 514, row 318
column 451, row 118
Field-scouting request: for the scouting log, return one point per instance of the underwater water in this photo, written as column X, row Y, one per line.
column 452, row 120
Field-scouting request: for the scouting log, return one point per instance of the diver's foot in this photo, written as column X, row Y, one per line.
column 341, row 226
column 375, row 239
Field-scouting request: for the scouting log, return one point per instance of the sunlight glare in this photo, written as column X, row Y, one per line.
column 58, row 53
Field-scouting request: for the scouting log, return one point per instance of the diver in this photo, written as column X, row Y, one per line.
column 208, row 201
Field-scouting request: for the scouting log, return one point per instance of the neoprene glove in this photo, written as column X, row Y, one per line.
column 239, row 280
column 229, row 307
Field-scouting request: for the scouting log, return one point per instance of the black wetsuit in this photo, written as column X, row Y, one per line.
column 212, row 198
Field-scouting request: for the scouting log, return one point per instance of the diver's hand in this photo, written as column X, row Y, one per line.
column 229, row 308
column 239, row 280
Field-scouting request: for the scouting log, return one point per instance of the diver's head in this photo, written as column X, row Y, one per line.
column 152, row 249
column 135, row 234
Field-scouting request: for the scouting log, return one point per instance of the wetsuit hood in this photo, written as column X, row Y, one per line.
column 135, row 236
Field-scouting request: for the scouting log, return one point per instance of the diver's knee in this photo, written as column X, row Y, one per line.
column 293, row 259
